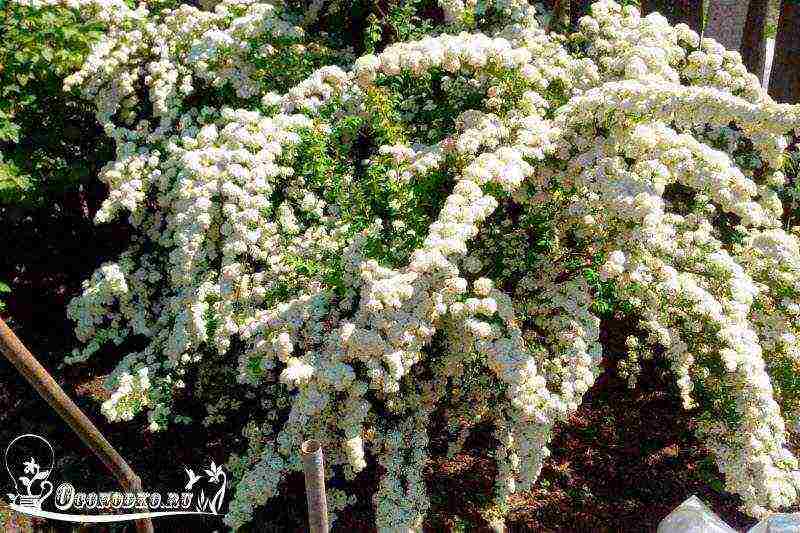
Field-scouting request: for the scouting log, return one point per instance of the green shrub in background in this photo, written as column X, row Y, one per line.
column 49, row 140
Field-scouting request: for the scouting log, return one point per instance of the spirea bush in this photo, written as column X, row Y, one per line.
column 365, row 241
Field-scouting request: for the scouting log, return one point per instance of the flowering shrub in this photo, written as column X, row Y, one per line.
column 437, row 227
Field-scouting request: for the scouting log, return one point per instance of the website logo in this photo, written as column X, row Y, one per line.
column 29, row 461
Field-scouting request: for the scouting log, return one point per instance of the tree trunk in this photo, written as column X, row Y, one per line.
column 785, row 80
column 754, row 42
column 726, row 22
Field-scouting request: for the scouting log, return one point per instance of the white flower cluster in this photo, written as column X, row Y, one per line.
column 130, row 398
column 631, row 149
column 464, row 12
column 189, row 48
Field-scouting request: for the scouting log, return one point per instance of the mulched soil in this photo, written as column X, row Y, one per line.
column 626, row 459
column 624, row 462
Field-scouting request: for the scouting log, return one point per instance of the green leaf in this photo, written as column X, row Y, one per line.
column 9, row 131
column 4, row 288
column 69, row 32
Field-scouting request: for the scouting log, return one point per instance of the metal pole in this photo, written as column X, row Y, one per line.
column 53, row 394
column 314, row 469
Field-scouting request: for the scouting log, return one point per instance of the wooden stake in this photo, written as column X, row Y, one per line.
column 45, row 385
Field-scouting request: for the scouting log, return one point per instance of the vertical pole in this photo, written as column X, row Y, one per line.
column 693, row 15
column 314, row 470
column 53, row 394
column 769, row 54
column 785, row 81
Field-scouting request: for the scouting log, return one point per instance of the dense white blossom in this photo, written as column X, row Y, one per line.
column 618, row 149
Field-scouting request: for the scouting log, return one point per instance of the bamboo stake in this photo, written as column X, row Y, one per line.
column 53, row 394
column 314, row 469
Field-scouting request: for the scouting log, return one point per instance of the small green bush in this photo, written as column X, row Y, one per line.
column 49, row 140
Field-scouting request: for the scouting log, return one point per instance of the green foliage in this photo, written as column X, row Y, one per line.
column 49, row 141
column 790, row 194
column 4, row 289
column 367, row 26
column 708, row 473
